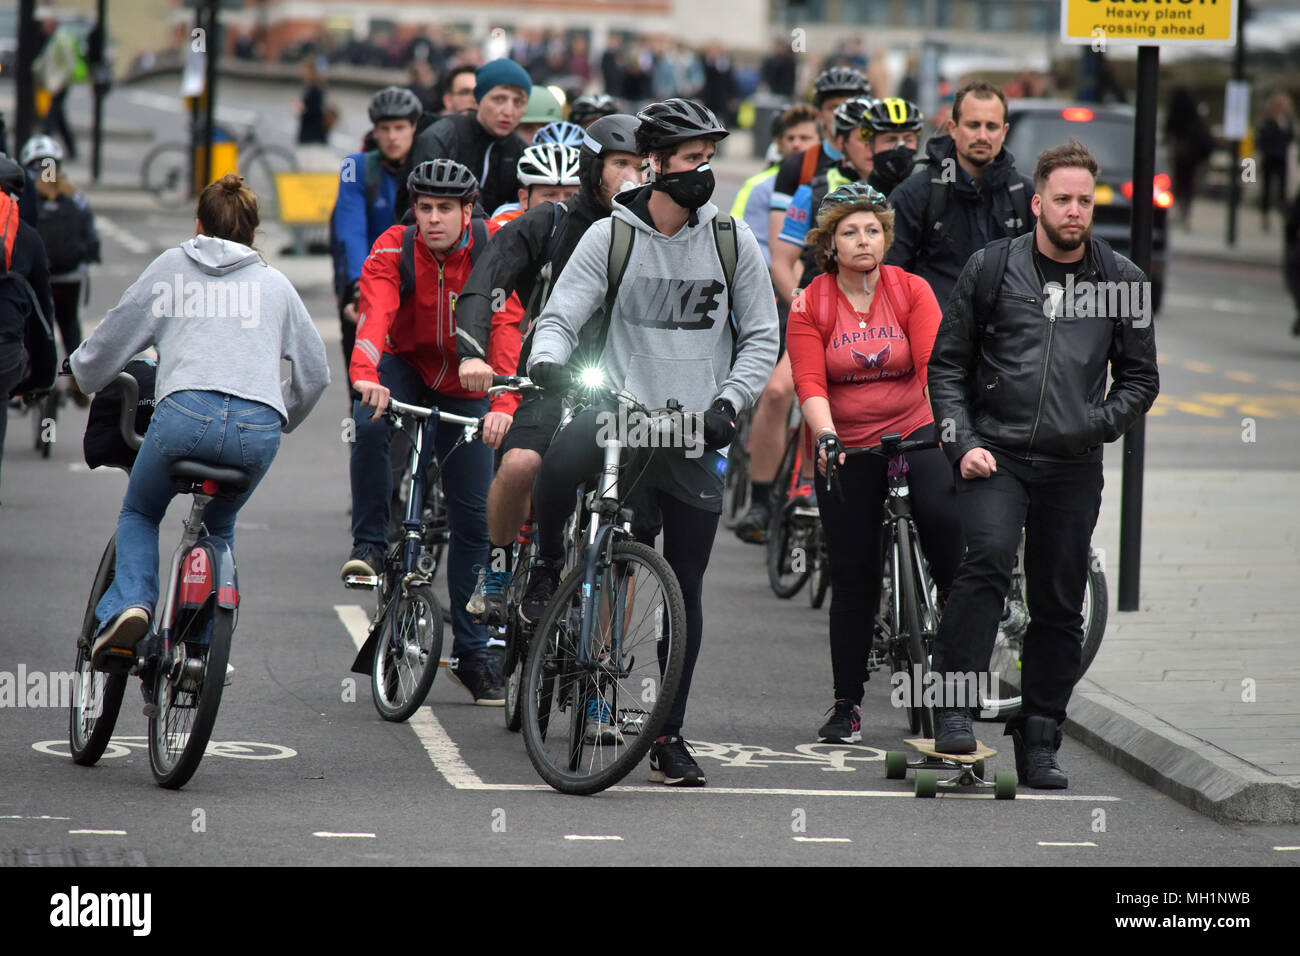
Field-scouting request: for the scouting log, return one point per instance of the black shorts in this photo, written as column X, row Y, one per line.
column 536, row 421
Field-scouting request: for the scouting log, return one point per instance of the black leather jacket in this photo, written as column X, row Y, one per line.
column 1031, row 382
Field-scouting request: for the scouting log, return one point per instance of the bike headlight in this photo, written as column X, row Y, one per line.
column 592, row 377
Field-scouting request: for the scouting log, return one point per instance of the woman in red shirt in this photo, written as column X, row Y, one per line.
column 859, row 339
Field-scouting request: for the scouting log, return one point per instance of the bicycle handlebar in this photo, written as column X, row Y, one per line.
column 130, row 389
column 890, row 447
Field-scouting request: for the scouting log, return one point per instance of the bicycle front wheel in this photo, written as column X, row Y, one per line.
column 787, row 559
column 188, row 684
column 96, row 696
column 920, row 716
column 165, row 173
column 589, row 718
column 407, row 653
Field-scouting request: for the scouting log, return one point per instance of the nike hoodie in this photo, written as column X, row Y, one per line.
column 670, row 334
column 222, row 320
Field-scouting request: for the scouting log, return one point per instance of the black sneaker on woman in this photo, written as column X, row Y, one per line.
column 845, row 724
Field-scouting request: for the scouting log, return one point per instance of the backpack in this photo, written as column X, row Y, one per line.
column 621, row 237
column 103, row 444
column 406, row 265
column 542, row 289
column 989, row 281
column 38, row 338
column 933, row 226
column 374, row 174
column 61, row 229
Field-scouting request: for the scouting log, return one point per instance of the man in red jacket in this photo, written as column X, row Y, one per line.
column 406, row 348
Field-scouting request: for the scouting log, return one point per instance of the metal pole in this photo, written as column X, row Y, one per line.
column 1238, row 73
column 1144, row 171
column 29, row 33
column 99, row 77
column 210, row 89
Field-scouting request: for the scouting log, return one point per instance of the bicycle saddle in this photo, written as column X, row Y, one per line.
column 231, row 482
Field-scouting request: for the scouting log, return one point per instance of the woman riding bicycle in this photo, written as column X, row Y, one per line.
column 222, row 320
column 859, row 339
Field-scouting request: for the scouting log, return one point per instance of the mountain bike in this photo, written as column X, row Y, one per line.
column 182, row 662
column 605, row 661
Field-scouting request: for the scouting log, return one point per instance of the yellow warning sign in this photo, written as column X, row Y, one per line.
column 1148, row 22
column 306, row 199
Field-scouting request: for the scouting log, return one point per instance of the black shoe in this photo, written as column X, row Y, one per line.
column 476, row 674
column 366, row 560
column 543, row 579
column 953, row 731
column 1036, row 743
column 671, row 764
column 845, row 725
column 753, row 527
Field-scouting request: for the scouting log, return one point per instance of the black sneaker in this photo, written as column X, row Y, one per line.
column 671, row 764
column 366, row 560
column 954, row 731
column 1036, row 743
column 753, row 527
column 475, row 674
column 543, row 579
column 845, row 724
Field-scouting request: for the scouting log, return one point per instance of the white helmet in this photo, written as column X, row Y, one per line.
column 549, row 164
column 40, row 147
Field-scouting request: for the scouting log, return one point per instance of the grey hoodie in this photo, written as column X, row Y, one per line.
column 670, row 336
column 222, row 320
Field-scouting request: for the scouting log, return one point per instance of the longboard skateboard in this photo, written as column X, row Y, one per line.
column 966, row 770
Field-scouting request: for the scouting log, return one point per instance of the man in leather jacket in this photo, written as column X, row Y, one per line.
column 1018, row 387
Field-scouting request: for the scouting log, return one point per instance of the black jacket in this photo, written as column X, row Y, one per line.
column 462, row 137
column 1033, row 386
column 975, row 215
column 514, row 262
column 18, row 318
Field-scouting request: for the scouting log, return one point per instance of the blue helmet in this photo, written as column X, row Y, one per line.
column 560, row 132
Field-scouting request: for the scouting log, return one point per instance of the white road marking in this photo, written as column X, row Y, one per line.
column 16, row 816
column 1286, row 848
column 121, row 236
column 578, row 836
column 822, row 840
column 174, row 104
column 1046, row 843
column 100, row 832
column 327, row 835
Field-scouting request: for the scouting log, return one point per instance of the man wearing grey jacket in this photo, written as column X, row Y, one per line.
column 676, row 329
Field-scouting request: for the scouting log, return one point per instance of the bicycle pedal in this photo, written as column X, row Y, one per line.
column 365, row 582
column 150, row 710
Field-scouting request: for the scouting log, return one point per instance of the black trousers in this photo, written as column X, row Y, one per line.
column 853, row 546
column 1057, row 505
column 66, row 296
column 574, row 456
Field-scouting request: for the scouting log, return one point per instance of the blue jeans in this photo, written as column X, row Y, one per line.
column 465, row 479
column 211, row 427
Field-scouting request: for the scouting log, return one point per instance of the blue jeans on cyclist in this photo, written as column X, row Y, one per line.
column 465, row 479
column 208, row 426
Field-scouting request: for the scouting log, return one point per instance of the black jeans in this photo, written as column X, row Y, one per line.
column 1057, row 505
column 574, row 456
column 13, row 369
column 853, row 546
column 67, row 296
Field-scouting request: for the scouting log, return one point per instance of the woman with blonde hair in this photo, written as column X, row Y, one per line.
column 859, row 339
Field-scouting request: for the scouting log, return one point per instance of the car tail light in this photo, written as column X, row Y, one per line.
column 1077, row 114
column 1160, row 191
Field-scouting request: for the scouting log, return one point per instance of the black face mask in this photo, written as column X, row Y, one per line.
column 690, row 189
column 895, row 165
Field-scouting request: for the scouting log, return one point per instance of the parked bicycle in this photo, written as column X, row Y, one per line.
column 605, row 661
column 182, row 662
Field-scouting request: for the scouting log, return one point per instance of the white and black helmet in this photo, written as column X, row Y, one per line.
column 609, row 134
column 395, row 102
column 442, row 177
column 593, row 106
column 839, row 81
column 40, row 147
column 548, row 164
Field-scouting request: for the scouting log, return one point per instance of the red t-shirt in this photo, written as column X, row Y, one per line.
column 873, row 377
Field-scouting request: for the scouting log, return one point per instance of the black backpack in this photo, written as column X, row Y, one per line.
column 933, row 227
column 21, row 306
column 103, row 444
column 62, row 230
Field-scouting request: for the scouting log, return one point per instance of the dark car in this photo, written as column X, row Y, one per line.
column 1107, row 130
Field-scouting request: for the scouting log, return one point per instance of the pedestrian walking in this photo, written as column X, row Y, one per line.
column 1273, row 142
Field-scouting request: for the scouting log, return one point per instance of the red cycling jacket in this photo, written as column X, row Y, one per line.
column 422, row 330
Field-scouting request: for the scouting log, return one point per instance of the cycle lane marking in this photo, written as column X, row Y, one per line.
column 98, row 832
column 579, row 836
column 328, row 835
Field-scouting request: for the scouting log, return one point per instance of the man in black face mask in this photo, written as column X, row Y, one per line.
column 894, row 126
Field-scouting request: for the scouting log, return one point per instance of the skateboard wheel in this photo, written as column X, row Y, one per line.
column 895, row 765
column 1004, row 785
column 927, row 783
column 977, row 768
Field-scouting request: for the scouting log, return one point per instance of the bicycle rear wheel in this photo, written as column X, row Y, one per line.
column 920, row 716
column 407, row 653
column 787, row 559
column 96, row 696
column 165, row 173
column 45, row 415
column 259, row 168
column 188, row 684
column 587, row 724
column 819, row 575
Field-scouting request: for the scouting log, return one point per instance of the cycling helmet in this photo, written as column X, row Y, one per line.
column 13, row 179
column 395, row 102
column 592, row 107
column 38, row 148
column 893, row 115
column 561, row 133
column 850, row 194
column 676, row 121
column 839, row 81
column 612, row 134
column 442, row 177
column 548, row 164
column 543, row 107
column 850, row 114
